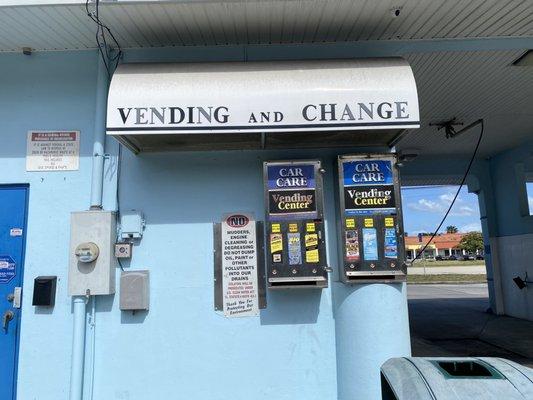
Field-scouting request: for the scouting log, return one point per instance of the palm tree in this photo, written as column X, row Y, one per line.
column 451, row 229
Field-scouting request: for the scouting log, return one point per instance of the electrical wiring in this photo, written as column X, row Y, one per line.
column 117, row 195
column 457, row 193
column 101, row 40
column 108, row 60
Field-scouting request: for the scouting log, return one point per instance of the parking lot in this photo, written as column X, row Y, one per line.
column 452, row 320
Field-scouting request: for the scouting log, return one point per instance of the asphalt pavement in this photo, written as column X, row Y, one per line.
column 452, row 320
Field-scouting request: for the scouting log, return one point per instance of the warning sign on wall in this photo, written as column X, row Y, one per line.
column 239, row 266
column 53, row 151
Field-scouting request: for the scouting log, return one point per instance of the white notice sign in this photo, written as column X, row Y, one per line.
column 239, row 266
column 53, row 151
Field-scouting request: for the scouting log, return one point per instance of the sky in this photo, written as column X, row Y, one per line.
column 424, row 207
column 529, row 188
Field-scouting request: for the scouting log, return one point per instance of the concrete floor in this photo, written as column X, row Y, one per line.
column 451, row 320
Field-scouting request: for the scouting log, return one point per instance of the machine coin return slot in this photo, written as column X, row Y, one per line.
column 44, row 291
column 381, row 278
column 467, row 369
column 300, row 284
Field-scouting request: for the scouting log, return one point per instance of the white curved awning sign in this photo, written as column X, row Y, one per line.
column 281, row 96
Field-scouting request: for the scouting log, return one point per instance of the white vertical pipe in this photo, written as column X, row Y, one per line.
column 97, row 183
column 93, row 346
column 102, row 85
column 78, row 349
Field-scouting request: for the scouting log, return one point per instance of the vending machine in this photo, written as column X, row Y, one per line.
column 371, row 229
column 295, row 236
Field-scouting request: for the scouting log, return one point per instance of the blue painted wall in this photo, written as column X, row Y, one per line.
column 181, row 345
column 514, row 237
column 46, row 91
column 509, row 190
column 289, row 352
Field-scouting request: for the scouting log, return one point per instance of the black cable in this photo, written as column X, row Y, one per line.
column 120, row 264
column 101, row 38
column 117, row 195
column 119, row 163
column 456, row 194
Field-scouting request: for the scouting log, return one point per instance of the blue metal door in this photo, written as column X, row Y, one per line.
column 13, row 210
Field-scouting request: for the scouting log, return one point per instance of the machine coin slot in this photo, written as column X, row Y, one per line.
column 371, row 232
column 295, row 237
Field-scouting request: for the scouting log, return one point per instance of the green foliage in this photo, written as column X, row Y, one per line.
column 471, row 242
column 451, row 229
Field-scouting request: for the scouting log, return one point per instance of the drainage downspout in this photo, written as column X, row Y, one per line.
column 97, row 180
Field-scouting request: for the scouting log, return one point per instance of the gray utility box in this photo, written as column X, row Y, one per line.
column 467, row 378
column 91, row 256
column 135, row 290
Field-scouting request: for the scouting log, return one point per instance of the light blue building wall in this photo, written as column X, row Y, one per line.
column 514, row 237
column 306, row 345
column 509, row 171
column 47, row 91
column 181, row 345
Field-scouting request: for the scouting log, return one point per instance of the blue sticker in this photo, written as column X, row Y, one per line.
column 291, row 176
column 7, row 269
column 367, row 172
column 391, row 244
column 370, row 244
column 295, row 250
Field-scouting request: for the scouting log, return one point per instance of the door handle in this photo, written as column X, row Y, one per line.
column 8, row 316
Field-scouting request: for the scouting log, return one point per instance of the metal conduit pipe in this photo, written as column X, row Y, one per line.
column 97, row 182
column 78, row 349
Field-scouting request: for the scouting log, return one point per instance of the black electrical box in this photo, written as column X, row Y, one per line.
column 44, row 291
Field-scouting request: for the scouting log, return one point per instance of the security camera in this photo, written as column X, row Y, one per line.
column 520, row 283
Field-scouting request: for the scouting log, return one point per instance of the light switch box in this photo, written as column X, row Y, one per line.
column 123, row 250
column 135, row 290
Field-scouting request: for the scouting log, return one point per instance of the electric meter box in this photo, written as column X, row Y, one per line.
column 91, row 258
column 371, row 239
column 295, row 235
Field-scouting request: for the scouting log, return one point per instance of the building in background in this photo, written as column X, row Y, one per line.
column 443, row 245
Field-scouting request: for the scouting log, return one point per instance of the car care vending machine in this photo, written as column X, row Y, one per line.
column 295, row 237
column 371, row 229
